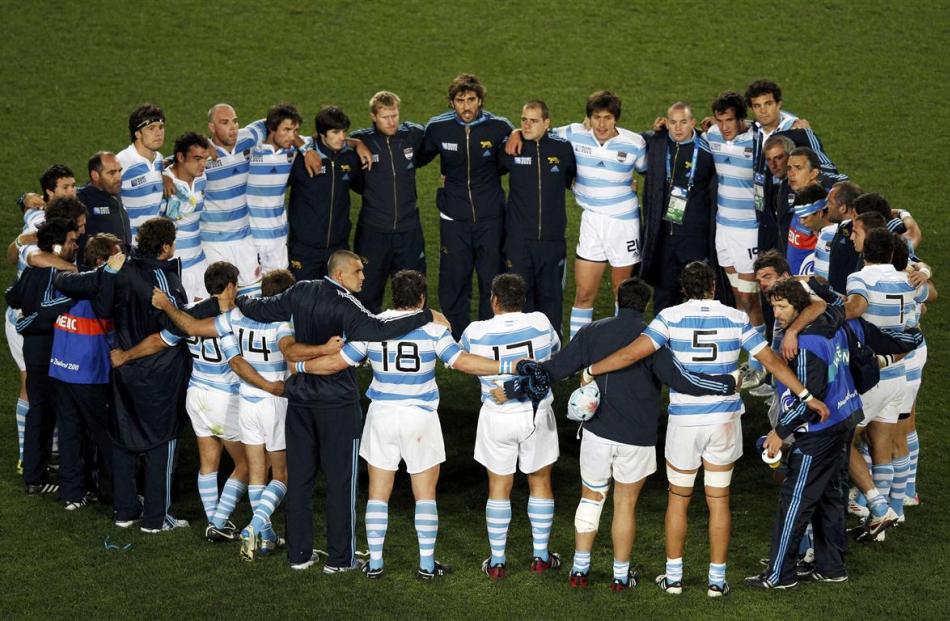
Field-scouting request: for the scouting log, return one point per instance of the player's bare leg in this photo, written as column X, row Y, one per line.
column 624, row 526
column 587, row 277
column 675, row 523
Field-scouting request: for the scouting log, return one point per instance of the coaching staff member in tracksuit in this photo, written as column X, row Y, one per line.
column 324, row 419
column 319, row 211
column 679, row 204
column 471, row 205
column 389, row 232
column 535, row 218
column 812, row 486
column 40, row 304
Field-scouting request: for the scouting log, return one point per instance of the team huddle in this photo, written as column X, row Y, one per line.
column 219, row 283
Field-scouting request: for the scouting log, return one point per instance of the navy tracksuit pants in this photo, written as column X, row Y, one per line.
column 82, row 411
column 385, row 253
column 159, row 466
column 468, row 246
column 541, row 263
column 328, row 436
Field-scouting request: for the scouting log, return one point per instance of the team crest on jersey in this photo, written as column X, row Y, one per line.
column 552, row 159
column 523, row 160
column 485, row 144
column 747, row 152
column 408, row 152
column 621, row 156
column 450, row 146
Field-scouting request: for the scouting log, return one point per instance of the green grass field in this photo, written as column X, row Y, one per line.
column 872, row 78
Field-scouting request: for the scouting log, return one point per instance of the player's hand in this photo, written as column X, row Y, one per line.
column 789, row 345
column 440, row 319
column 32, row 200
column 213, row 153
column 168, row 186
column 815, row 405
column 333, row 345
column 498, row 394
column 312, row 162
column 586, row 378
column 116, row 261
column 513, row 146
column 118, row 357
column 159, row 299
column 366, row 156
column 276, row 388
column 659, row 123
column 707, row 122
column 917, row 277
column 801, row 124
column 772, row 444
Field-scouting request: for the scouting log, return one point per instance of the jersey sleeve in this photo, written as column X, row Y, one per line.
column 256, row 132
column 354, row 353
column 284, row 329
column 564, row 132
column 671, row 372
column 658, row 331
column 640, row 163
column 229, row 346
column 922, row 293
column 752, row 341
column 224, row 323
column 171, row 339
column 857, row 286
column 446, row 348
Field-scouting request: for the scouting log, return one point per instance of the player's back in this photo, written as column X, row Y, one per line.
column 705, row 336
column 893, row 303
column 404, row 368
column 823, row 249
column 510, row 337
column 210, row 356
column 259, row 346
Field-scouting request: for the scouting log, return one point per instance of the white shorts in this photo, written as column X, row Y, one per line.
column 213, row 413
column 737, row 248
column 883, row 402
column 14, row 342
column 915, row 367
column 262, row 422
column 241, row 254
column 193, row 280
column 397, row 432
column 505, row 440
column 719, row 444
column 603, row 238
column 602, row 460
column 272, row 254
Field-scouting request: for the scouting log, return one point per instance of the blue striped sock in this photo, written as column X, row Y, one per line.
column 622, row 571
column 753, row 363
column 254, row 495
column 717, row 573
column 876, row 503
column 913, row 445
column 674, row 569
column 22, row 407
column 883, row 475
column 230, row 496
column 208, row 492
column 377, row 521
column 899, row 487
column 498, row 517
column 267, row 503
column 541, row 516
column 580, row 317
column 581, row 562
column 427, row 529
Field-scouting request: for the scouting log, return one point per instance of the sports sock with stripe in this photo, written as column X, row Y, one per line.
column 674, row 569
column 622, row 571
column 883, row 475
column 208, row 492
column 580, row 317
column 22, row 407
column 377, row 522
column 541, row 516
column 899, row 487
column 497, row 518
column 231, row 494
column 267, row 503
column 581, row 562
column 913, row 445
column 427, row 530
column 717, row 574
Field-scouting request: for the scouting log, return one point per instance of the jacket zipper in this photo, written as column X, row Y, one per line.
column 539, row 188
column 392, row 166
column 468, row 170
column 332, row 193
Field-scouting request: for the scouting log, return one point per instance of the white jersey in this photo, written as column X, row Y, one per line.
column 785, row 122
column 266, row 185
column 184, row 208
column 141, row 187
column 258, row 344
column 225, row 216
column 735, row 200
column 823, row 249
column 209, row 365
column 705, row 336
column 510, row 336
column 404, row 368
column 893, row 303
column 605, row 171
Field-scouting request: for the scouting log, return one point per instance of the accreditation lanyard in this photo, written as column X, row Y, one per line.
column 676, row 204
column 671, row 161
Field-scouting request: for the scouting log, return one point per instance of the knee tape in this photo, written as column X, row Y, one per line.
column 587, row 516
column 680, row 479
column 717, row 478
column 746, row 286
column 733, row 279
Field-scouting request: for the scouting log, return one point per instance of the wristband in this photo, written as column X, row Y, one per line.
column 504, row 367
column 804, row 394
column 586, row 376
column 301, row 367
column 925, row 271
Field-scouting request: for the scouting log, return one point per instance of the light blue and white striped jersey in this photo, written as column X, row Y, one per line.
column 735, row 201
column 266, row 187
column 141, row 187
column 823, row 249
column 605, row 172
column 893, row 303
column 705, row 336
column 259, row 345
column 785, row 122
column 32, row 219
column 225, row 216
column 404, row 368
column 510, row 336
column 209, row 365
column 184, row 208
